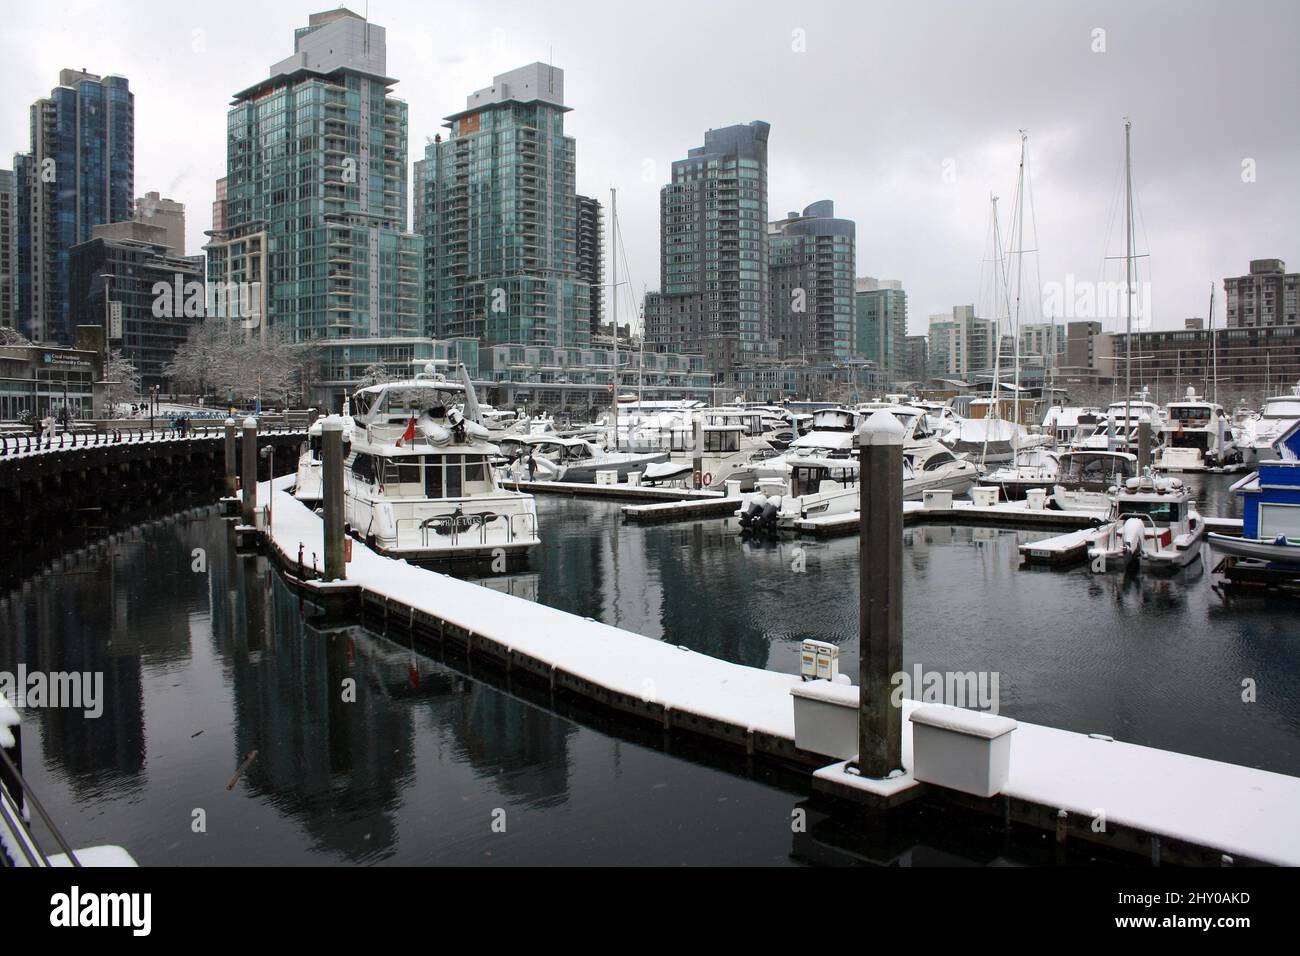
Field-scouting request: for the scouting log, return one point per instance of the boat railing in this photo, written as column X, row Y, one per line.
column 15, row 792
column 469, row 528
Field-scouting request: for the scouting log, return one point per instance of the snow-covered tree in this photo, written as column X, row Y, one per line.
column 123, row 379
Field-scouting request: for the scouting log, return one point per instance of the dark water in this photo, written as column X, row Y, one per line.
column 204, row 667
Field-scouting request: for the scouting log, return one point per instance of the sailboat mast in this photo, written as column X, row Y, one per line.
column 993, row 411
column 1020, row 257
column 1214, row 346
column 613, row 256
column 1128, row 283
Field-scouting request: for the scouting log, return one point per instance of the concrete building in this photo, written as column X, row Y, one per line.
column 158, row 296
column 713, row 262
column 8, row 248
column 1268, row 296
column 501, row 218
column 315, row 195
column 810, row 284
column 167, row 214
column 591, row 256
column 1250, row 362
column 881, row 324
column 79, row 173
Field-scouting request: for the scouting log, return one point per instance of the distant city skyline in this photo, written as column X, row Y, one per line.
column 906, row 128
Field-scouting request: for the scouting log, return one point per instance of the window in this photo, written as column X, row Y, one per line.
column 363, row 468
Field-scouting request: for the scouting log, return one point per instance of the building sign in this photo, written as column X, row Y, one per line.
column 115, row 320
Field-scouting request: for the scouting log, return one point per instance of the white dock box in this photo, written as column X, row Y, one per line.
column 607, row 477
column 984, row 497
column 939, row 499
column 733, row 488
column 1036, row 498
column 634, row 479
column 826, row 718
column 960, row 749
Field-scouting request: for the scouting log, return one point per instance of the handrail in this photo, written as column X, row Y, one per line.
column 30, row 796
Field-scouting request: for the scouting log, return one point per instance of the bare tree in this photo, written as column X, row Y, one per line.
column 123, row 380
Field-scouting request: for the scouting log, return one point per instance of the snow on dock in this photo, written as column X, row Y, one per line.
column 1009, row 514
column 621, row 491
column 1248, row 813
column 713, row 507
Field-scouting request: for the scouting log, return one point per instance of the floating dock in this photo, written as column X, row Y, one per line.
column 616, row 492
column 1178, row 808
column 1006, row 514
column 1071, row 548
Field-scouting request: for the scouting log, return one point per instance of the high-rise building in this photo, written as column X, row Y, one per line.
column 8, row 248
column 78, row 173
column 128, row 264
column 154, row 210
column 961, row 343
column 916, row 364
column 713, row 260
column 810, row 284
column 315, row 198
column 500, row 218
column 881, row 324
column 591, row 258
column 1268, row 296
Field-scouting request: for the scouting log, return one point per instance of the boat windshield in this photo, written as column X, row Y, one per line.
column 1095, row 467
column 1282, row 408
column 1161, row 512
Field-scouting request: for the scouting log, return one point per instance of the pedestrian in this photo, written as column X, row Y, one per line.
column 532, row 465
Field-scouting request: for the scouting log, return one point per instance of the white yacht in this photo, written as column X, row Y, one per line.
column 822, row 487
column 1120, row 429
column 1276, row 417
column 1197, row 436
column 556, row 458
column 1085, row 478
column 1152, row 524
column 1066, row 424
column 419, row 481
column 1036, row 467
column 990, row 441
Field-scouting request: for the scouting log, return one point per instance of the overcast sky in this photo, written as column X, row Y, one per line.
column 871, row 104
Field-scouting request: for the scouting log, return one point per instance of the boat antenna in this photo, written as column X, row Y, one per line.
column 1128, row 284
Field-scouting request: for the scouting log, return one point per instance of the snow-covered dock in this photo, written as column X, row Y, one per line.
column 713, row 507
column 1007, row 514
column 619, row 492
column 1187, row 807
column 1072, row 546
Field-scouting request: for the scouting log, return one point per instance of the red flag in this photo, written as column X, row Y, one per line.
column 409, row 434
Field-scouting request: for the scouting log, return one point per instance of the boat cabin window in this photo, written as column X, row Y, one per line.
column 1095, row 468
column 401, row 476
column 363, row 468
column 722, row 440
column 939, row 460
column 807, row 479
column 1159, row 511
column 456, row 476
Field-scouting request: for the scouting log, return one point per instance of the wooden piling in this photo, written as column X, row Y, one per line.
column 248, row 476
column 332, row 496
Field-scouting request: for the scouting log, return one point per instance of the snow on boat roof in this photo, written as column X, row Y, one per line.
column 442, row 386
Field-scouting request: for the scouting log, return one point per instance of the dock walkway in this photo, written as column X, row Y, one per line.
column 1205, row 805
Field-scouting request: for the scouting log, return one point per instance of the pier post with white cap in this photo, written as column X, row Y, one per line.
column 248, row 471
column 697, row 437
column 880, row 593
column 232, row 457
column 332, row 496
column 1144, row 446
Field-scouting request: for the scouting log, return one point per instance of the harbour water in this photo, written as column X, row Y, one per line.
column 430, row 765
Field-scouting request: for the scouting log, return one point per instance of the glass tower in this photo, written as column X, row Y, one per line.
column 713, row 265
column 315, row 199
column 79, row 173
column 501, row 218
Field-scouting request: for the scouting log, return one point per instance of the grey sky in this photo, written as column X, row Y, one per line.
column 867, row 115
